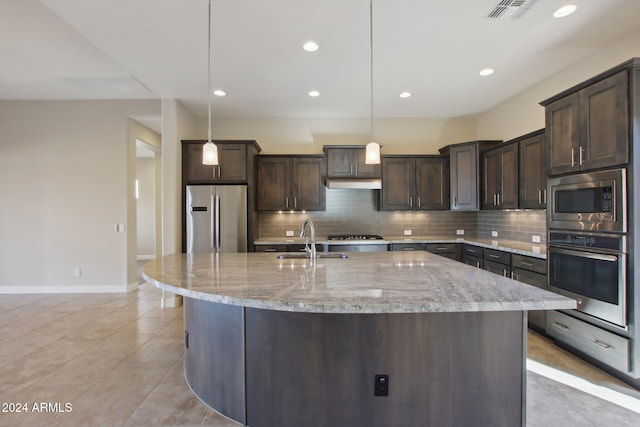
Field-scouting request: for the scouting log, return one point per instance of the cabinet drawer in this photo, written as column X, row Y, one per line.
column 473, row 251
column 442, row 248
column 271, row 248
column 407, row 246
column 497, row 268
column 529, row 263
column 602, row 345
column 530, row 278
column 497, row 256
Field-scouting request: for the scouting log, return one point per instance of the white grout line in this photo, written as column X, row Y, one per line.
column 615, row 397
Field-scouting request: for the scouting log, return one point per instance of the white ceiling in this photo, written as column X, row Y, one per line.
column 144, row 49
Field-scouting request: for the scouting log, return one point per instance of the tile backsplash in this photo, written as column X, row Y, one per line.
column 355, row 212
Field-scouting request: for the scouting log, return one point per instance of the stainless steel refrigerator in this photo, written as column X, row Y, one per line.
column 216, row 218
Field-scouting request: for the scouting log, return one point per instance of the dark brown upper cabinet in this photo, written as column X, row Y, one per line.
column 291, row 183
column 348, row 161
column 500, row 177
column 587, row 127
column 533, row 171
column 414, row 183
column 464, row 167
column 232, row 158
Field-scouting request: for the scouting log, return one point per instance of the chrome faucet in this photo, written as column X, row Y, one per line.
column 310, row 247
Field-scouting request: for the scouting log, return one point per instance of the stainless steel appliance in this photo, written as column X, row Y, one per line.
column 590, row 267
column 216, row 218
column 356, row 243
column 593, row 201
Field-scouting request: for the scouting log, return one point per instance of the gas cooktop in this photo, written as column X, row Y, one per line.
column 355, row 237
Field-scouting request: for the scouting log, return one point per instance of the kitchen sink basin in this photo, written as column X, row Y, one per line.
column 319, row 255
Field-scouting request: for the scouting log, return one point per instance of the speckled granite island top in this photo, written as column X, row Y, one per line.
column 379, row 282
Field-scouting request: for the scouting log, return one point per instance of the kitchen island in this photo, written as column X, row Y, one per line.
column 376, row 339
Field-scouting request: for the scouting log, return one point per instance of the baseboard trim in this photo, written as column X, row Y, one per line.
column 88, row 289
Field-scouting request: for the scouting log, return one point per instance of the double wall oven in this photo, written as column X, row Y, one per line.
column 587, row 244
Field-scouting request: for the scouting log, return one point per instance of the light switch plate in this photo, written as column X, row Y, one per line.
column 535, row 239
column 289, row 233
column 460, row 232
column 494, row 234
column 407, row 232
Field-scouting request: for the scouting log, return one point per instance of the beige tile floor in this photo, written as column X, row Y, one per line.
column 117, row 361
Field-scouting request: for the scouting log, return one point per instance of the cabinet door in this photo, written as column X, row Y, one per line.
column 197, row 173
column 604, row 121
column 233, row 163
column 491, row 179
column 361, row 169
column 533, row 176
column 432, row 183
column 464, row 177
column 274, row 183
column 308, row 190
column 563, row 133
column 232, row 167
column 340, row 162
column 508, row 185
column 398, row 184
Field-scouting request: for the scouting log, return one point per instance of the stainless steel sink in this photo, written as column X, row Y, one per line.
column 297, row 255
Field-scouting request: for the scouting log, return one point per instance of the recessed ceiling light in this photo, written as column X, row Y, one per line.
column 565, row 10
column 219, row 92
column 486, row 72
column 314, row 93
column 405, row 94
column 310, row 46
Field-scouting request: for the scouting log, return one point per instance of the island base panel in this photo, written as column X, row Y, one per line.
column 214, row 358
column 267, row 368
column 445, row 369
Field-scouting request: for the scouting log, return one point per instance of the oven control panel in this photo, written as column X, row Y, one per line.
column 596, row 241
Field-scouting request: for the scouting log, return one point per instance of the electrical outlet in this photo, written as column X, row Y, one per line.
column 289, row 233
column 77, row 272
column 494, row 234
column 407, row 232
column 120, row 228
column 460, row 232
column 535, row 239
column 381, row 385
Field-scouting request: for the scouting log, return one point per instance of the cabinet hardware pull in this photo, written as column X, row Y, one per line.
column 504, row 272
column 545, row 195
column 494, row 256
column 356, row 170
column 270, row 250
column 286, row 202
column 419, row 204
column 580, row 158
column 601, row 344
column 441, row 249
column 560, row 326
column 573, row 156
column 407, row 249
column 219, row 171
column 410, row 201
column 477, row 264
column 350, row 169
column 494, row 200
column 539, row 197
column 528, row 264
column 295, row 202
column 498, row 199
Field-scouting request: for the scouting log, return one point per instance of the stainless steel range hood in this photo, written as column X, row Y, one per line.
column 355, row 183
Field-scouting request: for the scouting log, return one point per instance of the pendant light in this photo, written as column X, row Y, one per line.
column 209, row 151
column 372, row 153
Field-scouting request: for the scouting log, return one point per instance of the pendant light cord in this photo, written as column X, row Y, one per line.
column 373, row 136
column 209, row 71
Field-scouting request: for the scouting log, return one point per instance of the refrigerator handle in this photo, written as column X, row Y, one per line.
column 217, row 222
column 212, row 218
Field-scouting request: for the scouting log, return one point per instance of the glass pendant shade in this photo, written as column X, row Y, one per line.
column 210, row 154
column 372, row 154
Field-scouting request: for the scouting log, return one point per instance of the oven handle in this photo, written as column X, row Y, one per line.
column 583, row 254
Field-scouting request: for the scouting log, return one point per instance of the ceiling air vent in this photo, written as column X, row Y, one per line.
column 510, row 9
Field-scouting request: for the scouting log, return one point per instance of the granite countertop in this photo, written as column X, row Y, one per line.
column 366, row 282
column 527, row 249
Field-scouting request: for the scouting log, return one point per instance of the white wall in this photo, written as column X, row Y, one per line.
column 523, row 114
column 308, row 135
column 64, row 185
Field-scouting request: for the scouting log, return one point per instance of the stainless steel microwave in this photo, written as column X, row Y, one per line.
column 592, row 201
